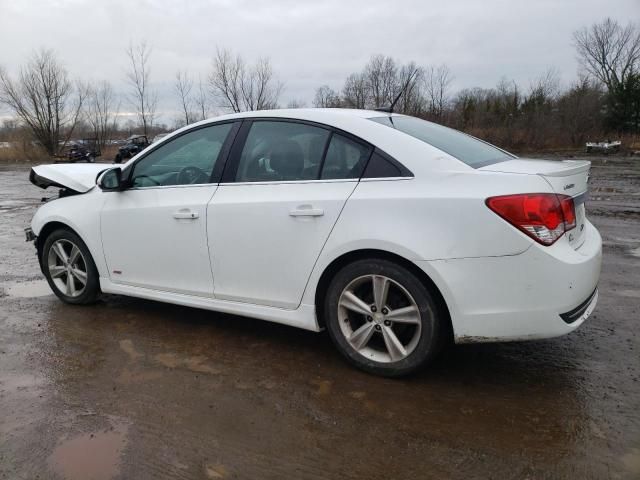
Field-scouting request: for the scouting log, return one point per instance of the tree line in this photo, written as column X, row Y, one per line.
column 604, row 100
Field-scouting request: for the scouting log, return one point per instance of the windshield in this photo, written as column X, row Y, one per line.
column 465, row 148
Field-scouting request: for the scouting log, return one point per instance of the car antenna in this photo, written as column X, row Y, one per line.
column 390, row 108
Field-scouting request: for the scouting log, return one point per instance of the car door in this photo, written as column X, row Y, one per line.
column 154, row 232
column 283, row 190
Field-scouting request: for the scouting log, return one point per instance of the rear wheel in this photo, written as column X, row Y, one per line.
column 69, row 268
column 118, row 158
column 382, row 318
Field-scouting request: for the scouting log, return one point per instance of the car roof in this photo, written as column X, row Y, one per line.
column 324, row 115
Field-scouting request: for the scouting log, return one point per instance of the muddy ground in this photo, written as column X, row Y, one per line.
column 135, row 389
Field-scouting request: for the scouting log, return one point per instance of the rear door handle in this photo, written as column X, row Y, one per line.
column 306, row 211
column 185, row 214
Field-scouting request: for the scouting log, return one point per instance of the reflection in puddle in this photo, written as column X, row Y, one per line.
column 36, row 288
column 90, row 456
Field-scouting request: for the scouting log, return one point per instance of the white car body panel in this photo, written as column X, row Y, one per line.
column 245, row 254
column 292, row 221
column 145, row 245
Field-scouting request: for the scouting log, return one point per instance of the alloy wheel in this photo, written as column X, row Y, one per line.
column 67, row 268
column 379, row 318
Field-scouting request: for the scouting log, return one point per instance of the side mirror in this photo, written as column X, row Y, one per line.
column 111, row 180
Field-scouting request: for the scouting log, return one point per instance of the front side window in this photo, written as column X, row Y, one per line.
column 281, row 151
column 186, row 160
column 465, row 148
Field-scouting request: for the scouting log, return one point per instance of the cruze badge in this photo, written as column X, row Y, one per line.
column 570, row 185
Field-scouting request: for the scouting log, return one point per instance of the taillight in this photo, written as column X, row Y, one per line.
column 543, row 216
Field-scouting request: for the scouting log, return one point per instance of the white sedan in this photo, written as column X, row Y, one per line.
column 393, row 233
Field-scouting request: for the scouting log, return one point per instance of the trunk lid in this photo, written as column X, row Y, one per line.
column 566, row 177
column 79, row 178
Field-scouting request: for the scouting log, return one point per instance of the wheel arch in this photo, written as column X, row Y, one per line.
column 46, row 230
column 354, row 255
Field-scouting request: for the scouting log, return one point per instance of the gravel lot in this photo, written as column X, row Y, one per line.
column 135, row 389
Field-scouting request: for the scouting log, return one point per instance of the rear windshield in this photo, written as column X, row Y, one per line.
column 465, row 148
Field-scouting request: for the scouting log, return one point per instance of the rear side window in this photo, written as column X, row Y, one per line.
column 380, row 167
column 345, row 158
column 282, row 151
column 465, row 148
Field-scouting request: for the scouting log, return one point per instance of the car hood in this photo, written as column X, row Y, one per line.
column 77, row 177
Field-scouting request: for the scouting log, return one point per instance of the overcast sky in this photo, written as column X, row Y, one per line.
column 310, row 43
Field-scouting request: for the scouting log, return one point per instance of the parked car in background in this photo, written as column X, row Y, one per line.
column 135, row 144
column 86, row 150
column 393, row 233
column 604, row 147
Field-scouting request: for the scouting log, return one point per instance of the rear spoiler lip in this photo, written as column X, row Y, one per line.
column 581, row 167
column 562, row 168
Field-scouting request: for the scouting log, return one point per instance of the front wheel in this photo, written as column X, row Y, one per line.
column 69, row 268
column 382, row 319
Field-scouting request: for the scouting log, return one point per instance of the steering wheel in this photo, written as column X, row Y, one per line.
column 192, row 176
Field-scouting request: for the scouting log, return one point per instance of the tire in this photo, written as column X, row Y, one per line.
column 118, row 158
column 91, row 159
column 419, row 327
column 77, row 284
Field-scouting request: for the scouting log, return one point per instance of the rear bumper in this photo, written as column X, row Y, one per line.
column 543, row 292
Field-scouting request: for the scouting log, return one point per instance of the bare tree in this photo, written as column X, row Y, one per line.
column 382, row 80
column 142, row 98
column 44, row 98
column 326, row 97
column 547, row 85
column 240, row 87
column 295, row 103
column 183, row 86
column 411, row 101
column 611, row 54
column 355, row 92
column 436, row 84
column 201, row 101
column 609, row 51
column 101, row 112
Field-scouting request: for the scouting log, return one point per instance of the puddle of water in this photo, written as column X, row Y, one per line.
column 90, row 456
column 36, row 288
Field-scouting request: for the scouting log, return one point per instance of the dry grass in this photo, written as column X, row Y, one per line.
column 23, row 153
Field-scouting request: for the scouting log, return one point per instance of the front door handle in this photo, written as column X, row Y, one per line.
column 185, row 214
column 306, row 211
